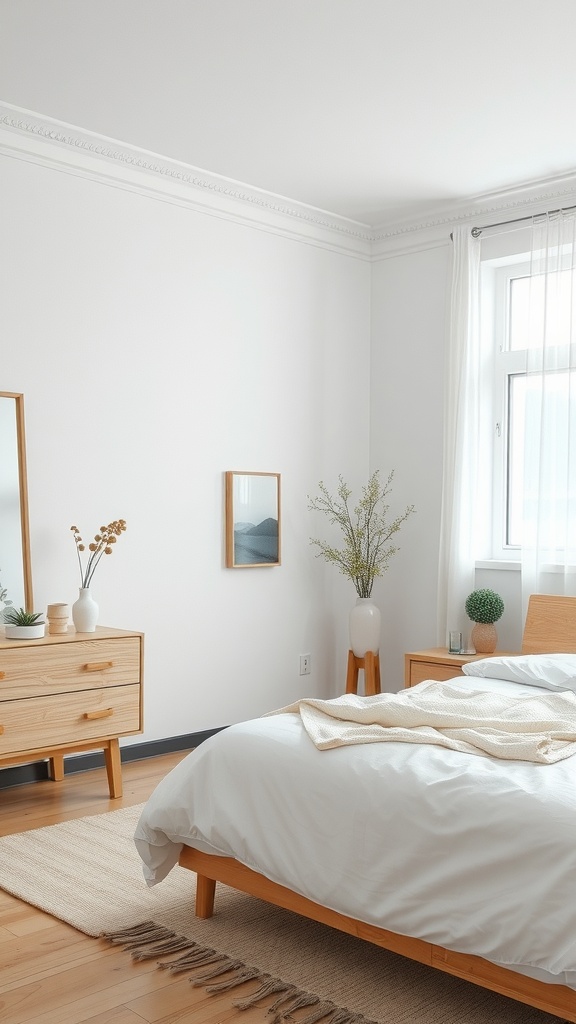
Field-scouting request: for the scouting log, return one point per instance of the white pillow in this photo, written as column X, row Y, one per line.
column 551, row 671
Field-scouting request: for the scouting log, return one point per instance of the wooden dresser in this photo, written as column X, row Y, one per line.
column 71, row 692
column 436, row 663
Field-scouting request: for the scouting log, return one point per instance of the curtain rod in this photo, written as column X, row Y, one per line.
column 476, row 232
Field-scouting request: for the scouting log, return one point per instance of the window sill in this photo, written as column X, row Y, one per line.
column 514, row 565
column 507, row 564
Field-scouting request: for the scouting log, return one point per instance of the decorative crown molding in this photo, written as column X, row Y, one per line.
column 45, row 140
column 79, row 144
column 523, row 200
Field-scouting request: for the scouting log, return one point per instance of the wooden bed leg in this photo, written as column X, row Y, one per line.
column 205, row 891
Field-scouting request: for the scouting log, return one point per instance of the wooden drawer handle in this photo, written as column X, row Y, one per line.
column 97, row 666
column 105, row 713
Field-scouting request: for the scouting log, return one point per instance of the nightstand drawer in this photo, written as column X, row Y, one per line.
column 437, row 663
column 35, row 671
column 420, row 670
column 68, row 718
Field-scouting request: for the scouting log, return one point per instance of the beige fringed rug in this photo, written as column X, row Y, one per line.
column 87, row 872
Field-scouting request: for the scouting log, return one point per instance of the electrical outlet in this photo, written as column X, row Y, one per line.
column 305, row 664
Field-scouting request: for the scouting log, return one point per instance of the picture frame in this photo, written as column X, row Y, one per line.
column 252, row 519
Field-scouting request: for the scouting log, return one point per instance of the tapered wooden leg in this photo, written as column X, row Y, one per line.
column 371, row 673
column 57, row 767
column 352, row 674
column 113, row 767
column 205, row 892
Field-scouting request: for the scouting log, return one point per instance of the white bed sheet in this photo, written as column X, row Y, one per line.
column 465, row 851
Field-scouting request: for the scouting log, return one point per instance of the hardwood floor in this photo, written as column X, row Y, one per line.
column 52, row 974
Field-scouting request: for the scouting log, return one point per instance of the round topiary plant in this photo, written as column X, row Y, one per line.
column 484, row 606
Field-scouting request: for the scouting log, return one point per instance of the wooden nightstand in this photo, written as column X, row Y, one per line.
column 436, row 663
column 71, row 692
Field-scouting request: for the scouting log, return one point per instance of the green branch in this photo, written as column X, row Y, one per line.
column 366, row 531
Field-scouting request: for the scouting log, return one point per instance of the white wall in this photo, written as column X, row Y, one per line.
column 406, row 434
column 158, row 345
column 410, row 297
column 165, row 327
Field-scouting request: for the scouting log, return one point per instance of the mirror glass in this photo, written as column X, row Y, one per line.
column 15, row 566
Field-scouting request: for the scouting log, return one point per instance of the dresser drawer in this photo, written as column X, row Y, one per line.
column 68, row 718
column 35, row 671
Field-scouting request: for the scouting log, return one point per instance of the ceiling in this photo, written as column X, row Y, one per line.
column 371, row 109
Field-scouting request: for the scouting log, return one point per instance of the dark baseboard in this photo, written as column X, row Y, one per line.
column 37, row 771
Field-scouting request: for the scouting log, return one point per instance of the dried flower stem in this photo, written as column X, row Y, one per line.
column 101, row 545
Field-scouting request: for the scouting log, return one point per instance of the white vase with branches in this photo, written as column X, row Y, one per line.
column 366, row 551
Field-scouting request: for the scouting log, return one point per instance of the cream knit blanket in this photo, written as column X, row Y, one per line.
column 539, row 727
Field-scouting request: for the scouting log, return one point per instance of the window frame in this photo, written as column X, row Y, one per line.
column 502, row 364
column 497, row 270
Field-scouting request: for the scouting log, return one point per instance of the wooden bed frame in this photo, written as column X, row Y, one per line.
column 550, row 627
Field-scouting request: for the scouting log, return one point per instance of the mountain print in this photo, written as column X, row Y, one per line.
column 256, row 544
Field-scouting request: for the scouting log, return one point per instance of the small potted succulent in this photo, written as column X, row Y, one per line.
column 484, row 607
column 22, row 625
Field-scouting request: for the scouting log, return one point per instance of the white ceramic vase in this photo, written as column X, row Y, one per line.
column 85, row 612
column 364, row 626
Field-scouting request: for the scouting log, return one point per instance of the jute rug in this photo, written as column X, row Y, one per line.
column 87, row 872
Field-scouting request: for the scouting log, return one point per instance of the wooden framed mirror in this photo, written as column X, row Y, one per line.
column 15, row 563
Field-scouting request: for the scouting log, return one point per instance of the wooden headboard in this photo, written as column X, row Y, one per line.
column 550, row 625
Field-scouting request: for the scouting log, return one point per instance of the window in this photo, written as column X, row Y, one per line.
column 517, row 311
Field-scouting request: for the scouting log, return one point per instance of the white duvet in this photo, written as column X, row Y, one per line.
column 473, row 853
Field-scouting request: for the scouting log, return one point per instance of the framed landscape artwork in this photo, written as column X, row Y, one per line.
column 252, row 520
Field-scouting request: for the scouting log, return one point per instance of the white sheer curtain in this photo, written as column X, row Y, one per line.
column 461, row 477
column 549, row 409
column 542, row 405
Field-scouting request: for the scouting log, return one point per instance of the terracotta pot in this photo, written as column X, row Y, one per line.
column 484, row 637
